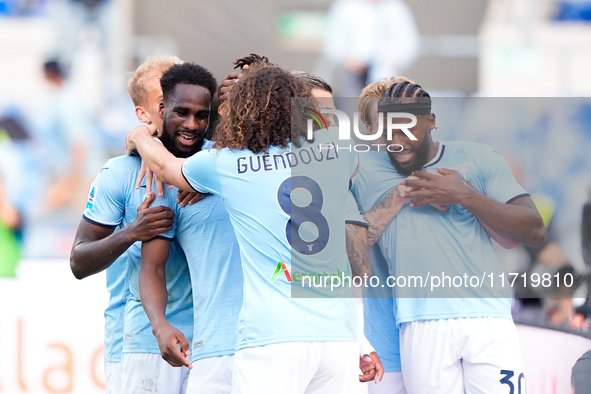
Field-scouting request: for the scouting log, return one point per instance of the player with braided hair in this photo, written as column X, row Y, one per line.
column 244, row 62
column 471, row 339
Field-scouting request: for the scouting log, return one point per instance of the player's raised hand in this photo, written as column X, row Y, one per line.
column 169, row 339
column 226, row 85
column 371, row 367
column 185, row 198
column 150, row 177
column 130, row 146
column 151, row 222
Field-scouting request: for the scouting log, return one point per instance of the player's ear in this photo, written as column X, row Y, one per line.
column 431, row 121
column 369, row 128
column 161, row 110
column 221, row 108
column 142, row 114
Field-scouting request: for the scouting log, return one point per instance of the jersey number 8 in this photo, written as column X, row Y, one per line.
column 298, row 215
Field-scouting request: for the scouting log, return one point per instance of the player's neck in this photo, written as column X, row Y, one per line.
column 433, row 149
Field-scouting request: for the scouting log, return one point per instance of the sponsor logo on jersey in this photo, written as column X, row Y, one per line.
column 281, row 268
column 90, row 202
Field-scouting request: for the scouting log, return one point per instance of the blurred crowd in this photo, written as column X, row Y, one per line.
column 52, row 147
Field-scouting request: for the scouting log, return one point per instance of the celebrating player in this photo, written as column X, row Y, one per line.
column 98, row 246
column 206, row 235
column 114, row 202
column 303, row 345
column 471, row 339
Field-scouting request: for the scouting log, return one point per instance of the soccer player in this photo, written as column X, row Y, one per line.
column 356, row 227
column 206, row 235
column 98, row 246
column 304, row 345
column 378, row 304
column 114, row 202
column 471, row 339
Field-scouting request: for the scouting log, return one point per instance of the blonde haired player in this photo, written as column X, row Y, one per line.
column 99, row 247
column 144, row 87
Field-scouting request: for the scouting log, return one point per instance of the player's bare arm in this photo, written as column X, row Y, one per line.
column 96, row 247
column 504, row 242
column 518, row 221
column 158, row 159
column 383, row 213
column 153, row 294
column 357, row 249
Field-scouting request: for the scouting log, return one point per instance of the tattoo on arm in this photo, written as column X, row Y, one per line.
column 357, row 250
column 377, row 220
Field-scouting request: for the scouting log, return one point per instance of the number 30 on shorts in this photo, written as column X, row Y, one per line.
column 507, row 380
column 299, row 215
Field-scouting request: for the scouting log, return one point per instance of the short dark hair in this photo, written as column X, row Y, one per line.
column 187, row 73
column 314, row 81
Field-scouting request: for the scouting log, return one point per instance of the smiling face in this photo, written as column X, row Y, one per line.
column 185, row 117
column 415, row 154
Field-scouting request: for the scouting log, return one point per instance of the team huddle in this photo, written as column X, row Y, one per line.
column 204, row 274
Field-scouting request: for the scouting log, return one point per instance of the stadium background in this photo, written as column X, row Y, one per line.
column 51, row 325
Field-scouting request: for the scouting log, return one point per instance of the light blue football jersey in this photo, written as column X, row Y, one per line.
column 379, row 320
column 115, row 313
column 114, row 202
column 256, row 189
column 206, row 235
column 379, row 306
column 425, row 241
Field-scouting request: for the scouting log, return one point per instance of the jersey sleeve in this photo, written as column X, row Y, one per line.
column 106, row 200
column 352, row 214
column 201, row 171
column 498, row 180
column 168, row 199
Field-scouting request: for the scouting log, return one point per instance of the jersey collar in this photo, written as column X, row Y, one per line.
column 438, row 156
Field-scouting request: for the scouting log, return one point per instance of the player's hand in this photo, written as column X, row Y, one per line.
column 226, row 85
column 145, row 171
column 188, row 198
column 444, row 188
column 371, row 367
column 149, row 129
column 151, row 222
column 169, row 339
column 403, row 190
